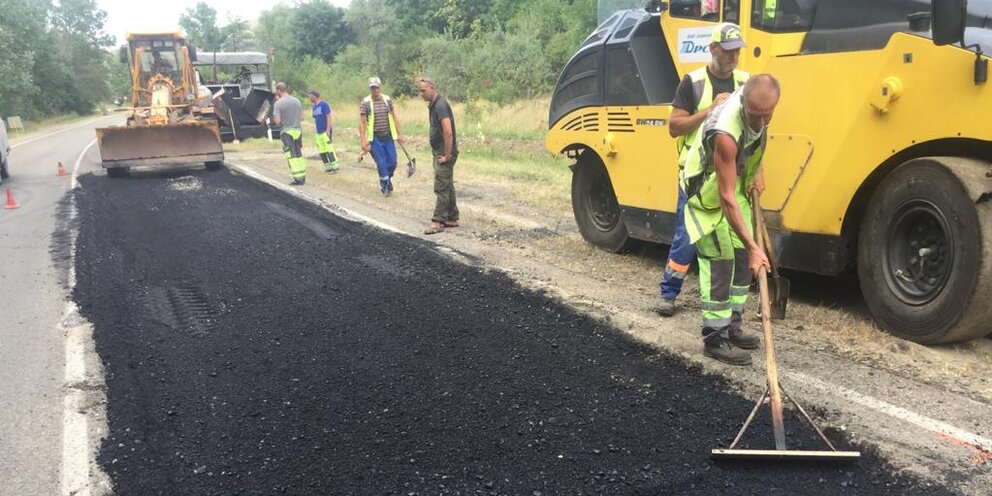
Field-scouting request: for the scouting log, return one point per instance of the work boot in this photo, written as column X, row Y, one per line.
column 744, row 340
column 723, row 350
column 298, row 182
column 666, row 307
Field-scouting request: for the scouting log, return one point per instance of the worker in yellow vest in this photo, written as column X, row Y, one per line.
column 723, row 165
column 379, row 129
column 697, row 95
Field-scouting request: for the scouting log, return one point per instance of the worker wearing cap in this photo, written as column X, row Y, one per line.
column 722, row 168
column 321, row 112
column 378, row 129
column 288, row 112
column 698, row 94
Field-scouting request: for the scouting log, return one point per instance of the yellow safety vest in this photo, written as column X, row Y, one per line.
column 702, row 92
column 698, row 177
column 371, row 116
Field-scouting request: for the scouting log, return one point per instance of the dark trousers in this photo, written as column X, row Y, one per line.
column 445, row 209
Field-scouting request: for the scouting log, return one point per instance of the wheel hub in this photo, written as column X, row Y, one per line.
column 603, row 205
column 919, row 252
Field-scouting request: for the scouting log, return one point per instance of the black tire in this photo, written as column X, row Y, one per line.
column 4, row 173
column 594, row 203
column 215, row 165
column 118, row 171
column 923, row 253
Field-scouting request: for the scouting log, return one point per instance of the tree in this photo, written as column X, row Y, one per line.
column 323, row 28
column 200, row 24
column 376, row 27
column 237, row 35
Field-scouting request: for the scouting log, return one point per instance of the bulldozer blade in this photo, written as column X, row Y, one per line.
column 778, row 291
column 182, row 143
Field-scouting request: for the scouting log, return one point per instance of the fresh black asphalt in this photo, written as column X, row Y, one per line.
column 254, row 344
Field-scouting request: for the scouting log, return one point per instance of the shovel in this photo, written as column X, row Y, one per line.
column 778, row 286
column 411, row 163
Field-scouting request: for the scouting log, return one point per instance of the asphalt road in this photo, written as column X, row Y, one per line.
column 33, row 299
column 255, row 344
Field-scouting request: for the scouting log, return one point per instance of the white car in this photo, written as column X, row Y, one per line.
column 4, row 151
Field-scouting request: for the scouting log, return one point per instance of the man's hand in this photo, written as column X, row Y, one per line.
column 330, row 134
column 366, row 147
column 757, row 185
column 722, row 97
column 399, row 139
column 756, row 259
column 442, row 159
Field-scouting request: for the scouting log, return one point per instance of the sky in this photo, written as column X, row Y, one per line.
column 125, row 16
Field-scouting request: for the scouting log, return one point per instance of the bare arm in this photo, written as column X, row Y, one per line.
column 726, row 175
column 363, row 122
column 399, row 131
column 449, row 136
column 681, row 122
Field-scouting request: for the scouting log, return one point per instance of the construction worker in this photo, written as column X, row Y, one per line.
column 159, row 64
column 325, row 132
column 722, row 167
column 444, row 147
column 378, row 129
column 697, row 95
column 288, row 112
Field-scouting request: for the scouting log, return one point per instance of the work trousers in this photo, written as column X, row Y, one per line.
column 384, row 154
column 292, row 147
column 724, row 277
column 445, row 208
column 326, row 150
column 680, row 255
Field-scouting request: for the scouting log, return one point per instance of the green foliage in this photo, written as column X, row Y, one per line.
column 497, row 50
column 53, row 59
column 321, row 30
column 200, row 25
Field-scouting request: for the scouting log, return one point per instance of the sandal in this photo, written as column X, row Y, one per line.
column 451, row 223
column 435, row 228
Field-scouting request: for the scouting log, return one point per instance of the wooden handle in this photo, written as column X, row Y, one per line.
column 771, row 366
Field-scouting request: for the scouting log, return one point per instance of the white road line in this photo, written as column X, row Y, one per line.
column 337, row 209
column 910, row 417
column 53, row 133
column 75, row 426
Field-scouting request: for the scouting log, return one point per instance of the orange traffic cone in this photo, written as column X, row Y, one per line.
column 62, row 171
column 11, row 204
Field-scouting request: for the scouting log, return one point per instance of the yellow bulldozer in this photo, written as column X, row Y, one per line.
column 170, row 121
column 879, row 157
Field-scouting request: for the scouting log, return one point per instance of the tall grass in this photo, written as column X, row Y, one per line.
column 523, row 120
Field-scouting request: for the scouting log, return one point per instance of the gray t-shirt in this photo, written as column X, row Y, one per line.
column 289, row 111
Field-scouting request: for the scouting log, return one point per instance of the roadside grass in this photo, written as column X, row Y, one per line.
column 525, row 120
column 31, row 127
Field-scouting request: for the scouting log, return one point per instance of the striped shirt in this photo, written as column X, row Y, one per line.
column 381, row 113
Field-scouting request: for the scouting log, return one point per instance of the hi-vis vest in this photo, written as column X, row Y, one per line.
column 371, row 116
column 702, row 93
column 770, row 8
column 702, row 210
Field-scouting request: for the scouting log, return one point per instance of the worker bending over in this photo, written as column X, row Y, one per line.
column 723, row 165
